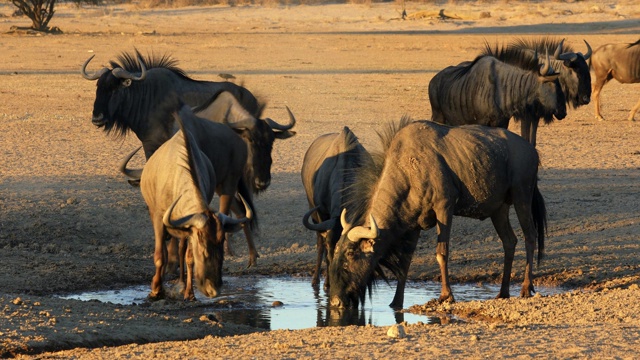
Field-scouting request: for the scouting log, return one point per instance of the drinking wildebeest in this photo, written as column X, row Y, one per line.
column 126, row 99
column 615, row 61
column 178, row 181
column 489, row 92
column 574, row 76
column 429, row 173
column 327, row 173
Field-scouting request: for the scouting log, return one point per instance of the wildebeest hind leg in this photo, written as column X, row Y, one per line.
column 501, row 223
column 525, row 217
column 442, row 254
column 240, row 212
column 159, row 259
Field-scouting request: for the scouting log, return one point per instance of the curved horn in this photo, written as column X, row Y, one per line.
column 558, row 50
column 94, row 76
column 546, row 69
column 343, row 221
column 198, row 220
column 121, row 73
column 588, row 54
column 361, row 232
column 323, row 226
column 134, row 174
column 274, row 125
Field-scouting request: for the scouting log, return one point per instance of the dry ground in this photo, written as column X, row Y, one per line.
column 68, row 221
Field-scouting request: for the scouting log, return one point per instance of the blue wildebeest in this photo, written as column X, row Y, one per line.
column 489, row 92
column 574, row 76
column 327, row 173
column 615, row 61
column 178, row 183
column 429, row 173
column 127, row 97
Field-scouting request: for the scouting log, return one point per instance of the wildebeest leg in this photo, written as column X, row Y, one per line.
column 522, row 205
column 238, row 209
column 634, row 111
column 597, row 87
column 409, row 247
column 442, row 255
column 525, row 128
column 509, row 240
column 182, row 248
column 159, row 258
column 320, row 247
column 173, row 258
column 533, row 132
column 188, row 289
column 225, row 205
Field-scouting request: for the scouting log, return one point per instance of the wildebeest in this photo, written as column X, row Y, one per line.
column 178, row 183
column 615, row 61
column 429, row 173
column 327, row 173
column 574, row 76
column 489, row 92
column 127, row 97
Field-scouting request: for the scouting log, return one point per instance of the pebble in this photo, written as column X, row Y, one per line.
column 396, row 331
column 277, row 303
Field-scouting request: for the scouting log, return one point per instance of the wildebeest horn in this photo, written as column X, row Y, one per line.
column 274, row 125
column 546, row 69
column 361, row 232
column 343, row 221
column 323, row 226
column 558, row 50
column 588, row 54
column 94, row 76
column 121, row 73
column 198, row 220
column 134, row 174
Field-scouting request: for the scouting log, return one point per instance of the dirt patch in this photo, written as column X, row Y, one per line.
column 69, row 222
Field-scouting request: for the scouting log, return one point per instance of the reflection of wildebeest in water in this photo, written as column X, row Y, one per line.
column 430, row 173
column 327, row 172
column 127, row 98
column 489, row 92
column 178, row 183
column 615, row 61
column 574, row 77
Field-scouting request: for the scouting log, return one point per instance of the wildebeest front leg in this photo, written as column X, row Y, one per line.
column 409, row 248
column 634, row 111
column 225, row 206
column 509, row 240
column 525, row 217
column 188, row 289
column 239, row 210
column 320, row 247
column 442, row 255
column 159, row 259
column 600, row 81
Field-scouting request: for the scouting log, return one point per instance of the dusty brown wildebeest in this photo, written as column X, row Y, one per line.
column 178, row 183
column 615, row 61
column 327, row 173
column 430, row 173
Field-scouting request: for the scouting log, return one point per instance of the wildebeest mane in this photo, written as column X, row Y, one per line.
column 129, row 61
column 541, row 44
column 513, row 56
column 359, row 200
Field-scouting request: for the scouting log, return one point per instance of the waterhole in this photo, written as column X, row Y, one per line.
column 291, row 302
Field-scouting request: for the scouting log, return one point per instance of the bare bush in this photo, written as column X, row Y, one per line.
column 39, row 11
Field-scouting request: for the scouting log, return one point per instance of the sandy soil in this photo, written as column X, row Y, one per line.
column 69, row 222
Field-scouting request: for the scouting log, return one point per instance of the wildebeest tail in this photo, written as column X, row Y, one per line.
column 246, row 193
column 539, row 219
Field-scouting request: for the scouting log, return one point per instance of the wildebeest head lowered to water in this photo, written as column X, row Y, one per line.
column 615, row 61
column 327, row 174
column 427, row 174
column 178, row 184
column 489, row 92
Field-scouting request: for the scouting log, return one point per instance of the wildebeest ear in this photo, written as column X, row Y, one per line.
column 126, row 82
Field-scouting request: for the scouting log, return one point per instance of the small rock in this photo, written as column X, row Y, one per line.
column 17, row 301
column 396, row 331
column 277, row 303
column 474, row 338
column 634, row 287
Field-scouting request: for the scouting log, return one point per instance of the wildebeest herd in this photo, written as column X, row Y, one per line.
column 202, row 138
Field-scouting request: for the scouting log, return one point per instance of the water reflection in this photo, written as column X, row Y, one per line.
column 250, row 301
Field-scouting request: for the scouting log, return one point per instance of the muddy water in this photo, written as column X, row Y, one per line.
column 250, row 301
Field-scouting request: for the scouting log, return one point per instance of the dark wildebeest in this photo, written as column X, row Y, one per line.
column 178, row 183
column 615, row 61
column 430, row 173
column 574, row 76
column 127, row 97
column 327, row 172
column 489, row 92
